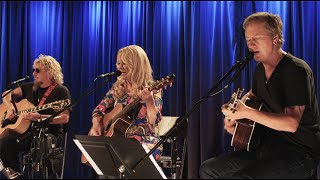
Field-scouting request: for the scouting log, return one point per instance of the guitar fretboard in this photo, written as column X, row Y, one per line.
column 36, row 109
column 158, row 85
column 127, row 108
column 235, row 96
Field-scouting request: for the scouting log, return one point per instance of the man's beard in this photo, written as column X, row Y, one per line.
column 35, row 86
column 37, row 83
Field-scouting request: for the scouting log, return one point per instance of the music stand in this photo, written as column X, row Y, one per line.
column 115, row 156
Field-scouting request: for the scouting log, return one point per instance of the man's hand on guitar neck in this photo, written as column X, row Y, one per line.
column 240, row 111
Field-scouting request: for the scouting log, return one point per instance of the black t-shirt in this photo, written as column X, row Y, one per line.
column 34, row 95
column 290, row 84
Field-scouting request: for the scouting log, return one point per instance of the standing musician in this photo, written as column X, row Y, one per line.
column 46, row 89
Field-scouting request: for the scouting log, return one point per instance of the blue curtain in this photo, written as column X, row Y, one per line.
column 197, row 41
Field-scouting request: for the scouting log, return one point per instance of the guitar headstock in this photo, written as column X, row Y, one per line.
column 58, row 105
column 163, row 82
column 232, row 103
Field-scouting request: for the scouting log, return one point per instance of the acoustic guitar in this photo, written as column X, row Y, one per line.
column 244, row 129
column 18, row 124
column 117, row 122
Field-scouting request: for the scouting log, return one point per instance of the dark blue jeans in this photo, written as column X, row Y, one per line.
column 284, row 162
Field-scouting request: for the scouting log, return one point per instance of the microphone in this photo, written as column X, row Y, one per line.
column 242, row 65
column 106, row 75
column 20, row 80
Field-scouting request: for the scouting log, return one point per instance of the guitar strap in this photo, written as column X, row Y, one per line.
column 44, row 98
column 48, row 92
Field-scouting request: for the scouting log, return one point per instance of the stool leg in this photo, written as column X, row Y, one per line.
column 174, row 156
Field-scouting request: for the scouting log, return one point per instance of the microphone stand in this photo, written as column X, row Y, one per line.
column 242, row 65
column 7, row 93
column 15, row 82
column 12, row 101
column 50, row 118
column 238, row 66
column 4, row 95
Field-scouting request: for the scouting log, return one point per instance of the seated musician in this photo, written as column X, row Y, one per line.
column 289, row 131
column 135, row 78
column 47, row 88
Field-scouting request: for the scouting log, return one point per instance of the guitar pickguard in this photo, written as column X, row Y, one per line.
column 6, row 122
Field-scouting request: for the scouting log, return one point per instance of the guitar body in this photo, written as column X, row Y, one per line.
column 119, row 127
column 244, row 130
column 114, row 124
column 18, row 124
column 117, row 122
column 242, row 134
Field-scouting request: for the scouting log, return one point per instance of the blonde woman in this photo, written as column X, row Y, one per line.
column 135, row 78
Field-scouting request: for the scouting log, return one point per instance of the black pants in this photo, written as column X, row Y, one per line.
column 271, row 162
column 35, row 146
column 9, row 149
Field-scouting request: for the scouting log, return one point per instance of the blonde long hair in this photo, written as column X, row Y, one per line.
column 51, row 66
column 140, row 70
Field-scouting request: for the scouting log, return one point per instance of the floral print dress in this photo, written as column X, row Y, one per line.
column 140, row 129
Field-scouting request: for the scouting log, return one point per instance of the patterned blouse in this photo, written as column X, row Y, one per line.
column 140, row 129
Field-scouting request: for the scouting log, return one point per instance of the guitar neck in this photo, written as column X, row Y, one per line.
column 36, row 109
column 127, row 108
